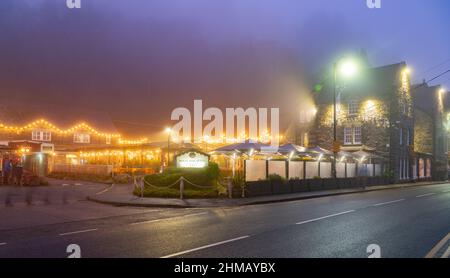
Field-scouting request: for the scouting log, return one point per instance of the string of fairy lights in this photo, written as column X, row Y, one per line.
column 47, row 125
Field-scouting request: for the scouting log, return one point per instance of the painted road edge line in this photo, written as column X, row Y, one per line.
column 204, row 247
column 2, row 243
column 425, row 195
column 78, row 232
column 438, row 247
column 168, row 218
column 387, row 203
column 324, row 217
column 446, row 254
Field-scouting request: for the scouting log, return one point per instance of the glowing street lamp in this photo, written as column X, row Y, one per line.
column 347, row 68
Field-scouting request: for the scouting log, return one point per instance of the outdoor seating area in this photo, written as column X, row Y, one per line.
column 260, row 161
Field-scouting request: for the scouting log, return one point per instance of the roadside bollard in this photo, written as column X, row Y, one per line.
column 181, row 187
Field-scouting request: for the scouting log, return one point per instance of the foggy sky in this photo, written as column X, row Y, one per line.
column 139, row 59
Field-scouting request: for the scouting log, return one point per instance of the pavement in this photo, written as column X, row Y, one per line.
column 121, row 195
column 404, row 222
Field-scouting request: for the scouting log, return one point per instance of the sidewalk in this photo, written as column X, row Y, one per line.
column 121, row 195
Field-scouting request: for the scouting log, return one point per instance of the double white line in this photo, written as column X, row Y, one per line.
column 438, row 247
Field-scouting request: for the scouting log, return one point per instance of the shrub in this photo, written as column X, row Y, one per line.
column 275, row 177
column 206, row 178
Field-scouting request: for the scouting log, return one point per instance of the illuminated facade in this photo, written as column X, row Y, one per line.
column 375, row 113
column 430, row 140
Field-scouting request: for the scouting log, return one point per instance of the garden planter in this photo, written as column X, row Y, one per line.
column 315, row 184
column 344, row 183
column 258, row 188
column 237, row 193
column 280, row 187
column 329, row 184
column 299, row 186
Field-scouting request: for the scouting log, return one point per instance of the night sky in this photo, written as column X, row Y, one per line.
column 139, row 59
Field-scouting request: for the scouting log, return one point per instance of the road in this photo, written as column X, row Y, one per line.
column 408, row 222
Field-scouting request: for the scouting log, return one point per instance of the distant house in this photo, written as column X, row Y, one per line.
column 64, row 136
column 67, row 128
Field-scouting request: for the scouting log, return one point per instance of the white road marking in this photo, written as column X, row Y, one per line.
column 105, row 190
column 78, row 184
column 445, row 191
column 424, row 195
column 446, row 254
column 387, row 203
column 324, row 217
column 2, row 243
column 438, row 247
column 78, row 232
column 169, row 218
column 65, row 184
column 204, row 247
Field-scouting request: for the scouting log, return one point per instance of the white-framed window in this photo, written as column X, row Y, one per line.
column 357, row 135
column 41, row 135
column 79, row 137
column 353, row 107
column 348, row 136
column 352, row 135
column 108, row 140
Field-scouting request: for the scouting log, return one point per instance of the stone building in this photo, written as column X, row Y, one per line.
column 430, row 140
column 375, row 114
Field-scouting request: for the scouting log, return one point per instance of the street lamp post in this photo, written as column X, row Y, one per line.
column 335, row 151
column 347, row 68
column 169, row 132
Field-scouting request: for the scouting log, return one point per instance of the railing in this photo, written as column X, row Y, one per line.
column 140, row 182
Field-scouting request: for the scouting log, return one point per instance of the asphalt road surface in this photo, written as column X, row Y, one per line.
column 409, row 222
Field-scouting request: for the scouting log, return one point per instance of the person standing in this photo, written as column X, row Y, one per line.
column 18, row 172
column 6, row 169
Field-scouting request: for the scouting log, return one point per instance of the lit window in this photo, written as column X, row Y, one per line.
column 352, row 135
column 84, row 138
column 348, row 136
column 108, row 140
column 357, row 139
column 353, row 108
column 41, row 135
